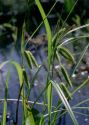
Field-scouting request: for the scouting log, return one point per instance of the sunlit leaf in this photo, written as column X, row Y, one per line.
column 30, row 119
column 19, row 71
column 49, row 92
column 41, row 120
column 48, row 30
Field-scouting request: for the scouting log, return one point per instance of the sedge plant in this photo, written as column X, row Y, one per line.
column 56, row 50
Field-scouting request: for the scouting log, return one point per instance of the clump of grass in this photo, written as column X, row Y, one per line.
column 56, row 49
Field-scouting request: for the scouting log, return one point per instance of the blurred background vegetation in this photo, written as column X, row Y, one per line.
column 13, row 13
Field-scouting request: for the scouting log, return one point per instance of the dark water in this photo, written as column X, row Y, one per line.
column 10, row 53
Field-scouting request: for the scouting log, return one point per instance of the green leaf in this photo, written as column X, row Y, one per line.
column 30, row 59
column 26, row 79
column 48, row 30
column 33, row 59
column 65, row 90
column 77, row 28
column 65, row 102
column 56, row 37
column 54, row 120
column 5, row 102
column 41, row 120
column 69, row 4
column 66, row 53
column 21, row 80
column 29, row 114
column 30, row 119
column 66, row 76
column 19, row 71
column 22, row 43
column 49, row 92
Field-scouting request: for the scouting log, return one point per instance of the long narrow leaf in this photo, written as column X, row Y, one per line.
column 19, row 71
column 5, row 102
column 65, row 90
column 66, row 53
column 30, row 119
column 66, row 76
column 30, row 59
column 78, row 28
column 81, row 86
column 48, row 30
column 65, row 102
column 28, row 115
column 73, row 39
column 81, row 57
column 49, row 36
column 3, row 64
column 49, row 92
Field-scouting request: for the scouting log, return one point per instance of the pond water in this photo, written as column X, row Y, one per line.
column 10, row 53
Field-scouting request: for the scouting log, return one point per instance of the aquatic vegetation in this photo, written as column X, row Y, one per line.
column 57, row 78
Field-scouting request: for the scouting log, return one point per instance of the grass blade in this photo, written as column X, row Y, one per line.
column 66, row 53
column 65, row 102
column 66, row 76
column 65, row 90
column 30, row 59
column 78, row 28
column 81, row 57
column 19, row 71
column 48, row 30
column 49, row 92
column 80, row 86
column 29, row 120
column 5, row 102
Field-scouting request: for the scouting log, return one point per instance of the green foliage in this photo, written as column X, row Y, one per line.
column 65, row 102
column 49, row 36
column 16, row 6
column 48, row 30
column 56, row 50
column 30, row 59
column 69, row 4
column 65, row 90
column 66, row 76
column 66, row 53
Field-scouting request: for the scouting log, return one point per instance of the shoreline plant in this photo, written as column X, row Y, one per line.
column 56, row 49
